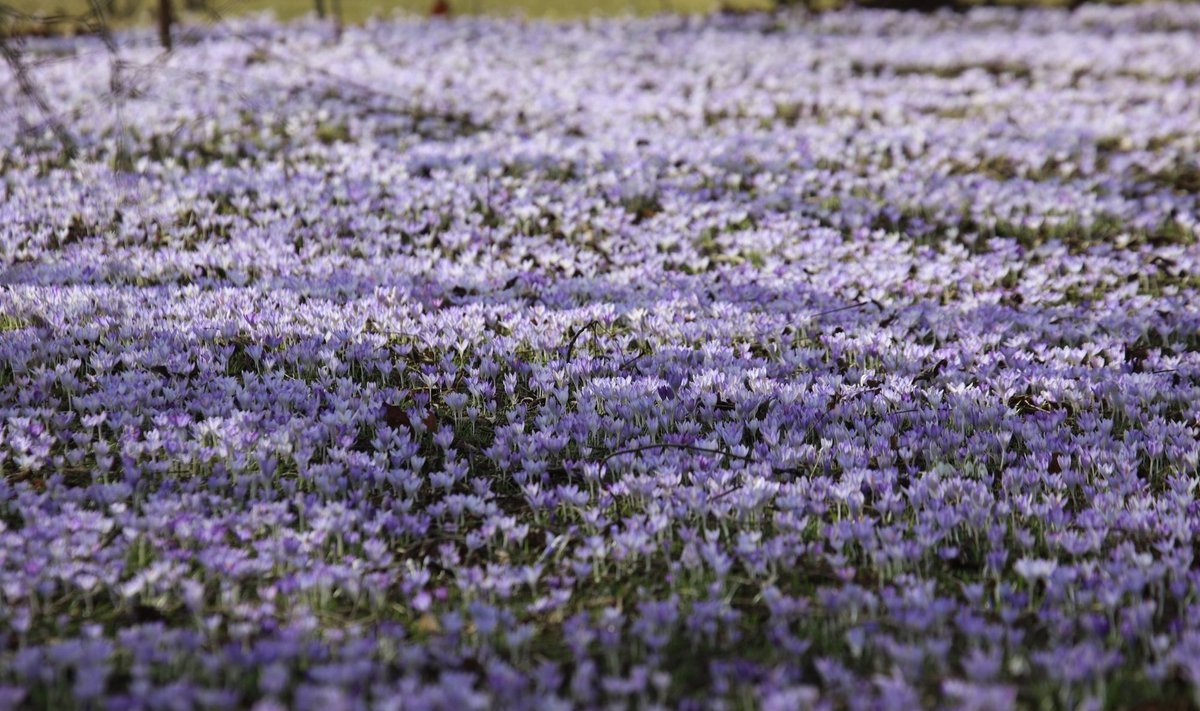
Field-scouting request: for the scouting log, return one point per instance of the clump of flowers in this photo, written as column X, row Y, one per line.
column 843, row 362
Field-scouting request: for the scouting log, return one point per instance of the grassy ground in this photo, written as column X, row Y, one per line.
column 357, row 10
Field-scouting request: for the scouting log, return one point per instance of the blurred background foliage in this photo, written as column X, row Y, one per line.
column 71, row 16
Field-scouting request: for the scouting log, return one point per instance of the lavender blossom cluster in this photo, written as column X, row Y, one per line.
column 847, row 361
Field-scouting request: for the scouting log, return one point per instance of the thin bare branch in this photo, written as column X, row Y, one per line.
column 33, row 92
column 673, row 445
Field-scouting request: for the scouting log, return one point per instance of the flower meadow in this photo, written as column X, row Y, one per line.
column 844, row 361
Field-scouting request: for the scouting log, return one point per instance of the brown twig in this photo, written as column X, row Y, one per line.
column 571, row 344
column 632, row 360
column 673, row 445
column 848, row 307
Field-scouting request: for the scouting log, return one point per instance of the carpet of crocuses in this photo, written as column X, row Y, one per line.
column 847, row 361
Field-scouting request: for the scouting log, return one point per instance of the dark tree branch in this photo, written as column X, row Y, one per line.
column 571, row 345
column 34, row 93
column 122, row 161
column 165, row 19
column 673, row 445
